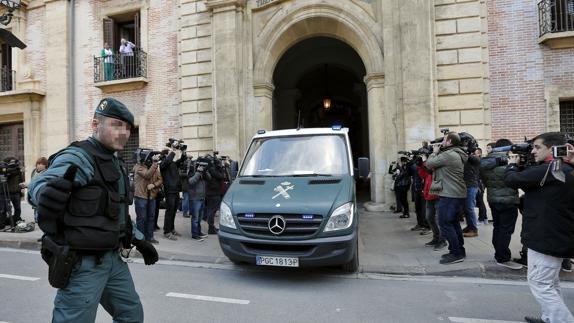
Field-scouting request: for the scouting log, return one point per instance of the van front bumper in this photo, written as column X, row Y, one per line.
column 328, row 251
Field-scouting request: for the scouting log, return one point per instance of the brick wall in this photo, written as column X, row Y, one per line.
column 156, row 105
column 196, row 77
column 522, row 70
column 462, row 67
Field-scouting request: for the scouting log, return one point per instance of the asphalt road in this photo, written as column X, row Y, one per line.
column 186, row 292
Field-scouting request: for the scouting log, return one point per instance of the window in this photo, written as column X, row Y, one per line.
column 12, row 141
column 567, row 117
column 128, row 153
column 6, row 73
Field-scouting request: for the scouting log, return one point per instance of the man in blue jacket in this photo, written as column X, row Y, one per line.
column 548, row 222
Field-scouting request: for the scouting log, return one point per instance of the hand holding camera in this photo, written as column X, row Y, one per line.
column 156, row 158
column 514, row 159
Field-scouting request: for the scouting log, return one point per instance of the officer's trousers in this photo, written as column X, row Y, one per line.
column 108, row 283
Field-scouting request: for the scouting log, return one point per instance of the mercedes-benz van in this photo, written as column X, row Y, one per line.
column 293, row 203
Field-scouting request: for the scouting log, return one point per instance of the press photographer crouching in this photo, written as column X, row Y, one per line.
column 548, row 219
column 11, row 184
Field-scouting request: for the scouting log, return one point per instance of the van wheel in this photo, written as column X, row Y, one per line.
column 353, row 265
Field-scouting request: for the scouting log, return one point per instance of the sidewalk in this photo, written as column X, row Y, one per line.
column 386, row 246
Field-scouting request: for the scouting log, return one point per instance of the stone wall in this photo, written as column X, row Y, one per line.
column 196, row 76
column 462, row 67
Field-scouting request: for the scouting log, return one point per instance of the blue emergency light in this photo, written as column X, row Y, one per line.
column 307, row 216
column 261, row 131
column 337, row 127
column 249, row 215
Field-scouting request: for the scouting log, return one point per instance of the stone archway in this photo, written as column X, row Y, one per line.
column 345, row 22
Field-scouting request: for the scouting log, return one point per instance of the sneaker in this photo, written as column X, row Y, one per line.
column 465, row 230
column 485, row 222
column 470, row 234
column 202, row 235
column 187, row 216
column 425, row 231
column 170, row 236
column 196, row 238
column 440, row 245
column 522, row 261
column 154, row 241
column 530, row 319
column 567, row 266
column 510, row 264
column 451, row 259
column 431, row 243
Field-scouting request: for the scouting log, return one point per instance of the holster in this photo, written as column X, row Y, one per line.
column 60, row 260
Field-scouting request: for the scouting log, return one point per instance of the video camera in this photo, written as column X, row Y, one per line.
column 176, row 144
column 524, row 150
column 144, row 156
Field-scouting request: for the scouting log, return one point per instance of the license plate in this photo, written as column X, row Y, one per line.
column 277, row 261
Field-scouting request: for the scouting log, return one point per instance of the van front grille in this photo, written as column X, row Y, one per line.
column 296, row 225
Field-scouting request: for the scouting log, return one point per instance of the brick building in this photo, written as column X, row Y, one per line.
column 214, row 71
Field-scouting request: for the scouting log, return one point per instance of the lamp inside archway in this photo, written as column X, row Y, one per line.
column 327, row 103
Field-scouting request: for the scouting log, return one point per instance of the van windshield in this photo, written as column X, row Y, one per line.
column 316, row 155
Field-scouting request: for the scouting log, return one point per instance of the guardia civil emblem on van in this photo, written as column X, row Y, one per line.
column 282, row 190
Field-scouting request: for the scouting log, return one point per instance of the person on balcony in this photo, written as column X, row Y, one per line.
column 128, row 59
column 108, row 58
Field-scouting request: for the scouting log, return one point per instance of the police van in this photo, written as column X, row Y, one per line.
column 293, row 203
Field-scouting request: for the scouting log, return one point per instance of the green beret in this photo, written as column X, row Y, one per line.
column 113, row 108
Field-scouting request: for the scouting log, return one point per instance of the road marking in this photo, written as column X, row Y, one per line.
column 209, row 298
column 19, row 278
column 34, row 252
column 469, row 320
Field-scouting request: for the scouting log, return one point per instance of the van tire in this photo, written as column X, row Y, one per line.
column 353, row 265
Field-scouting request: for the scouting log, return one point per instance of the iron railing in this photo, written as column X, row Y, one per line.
column 7, row 79
column 120, row 66
column 555, row 16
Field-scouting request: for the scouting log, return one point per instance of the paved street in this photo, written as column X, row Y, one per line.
column 194, row 292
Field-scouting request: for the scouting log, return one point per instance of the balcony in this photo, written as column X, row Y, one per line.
column 556, row 23
column 121, row 72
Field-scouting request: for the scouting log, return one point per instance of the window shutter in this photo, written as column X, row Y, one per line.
column 108, row 26
column 137, row 39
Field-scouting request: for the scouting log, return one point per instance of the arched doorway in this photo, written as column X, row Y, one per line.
column 318, row 69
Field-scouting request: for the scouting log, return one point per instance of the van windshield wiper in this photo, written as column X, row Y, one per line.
column 311, row 175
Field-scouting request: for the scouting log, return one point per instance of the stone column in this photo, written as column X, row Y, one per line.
column 260, row 116
column 227, row 23
column 382, row 142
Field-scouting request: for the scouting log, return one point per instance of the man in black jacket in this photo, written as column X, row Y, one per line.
column 213, row 196
column 14, row 184
column 471, row 175
column 171, row 186
column 548, row 222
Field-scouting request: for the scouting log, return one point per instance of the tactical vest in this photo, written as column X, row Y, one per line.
column 92, row 219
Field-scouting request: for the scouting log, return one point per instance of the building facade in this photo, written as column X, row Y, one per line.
column 213, row 72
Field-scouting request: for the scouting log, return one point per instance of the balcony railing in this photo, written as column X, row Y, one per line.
column 555, row 16
column 7, row 78
column 120, row 66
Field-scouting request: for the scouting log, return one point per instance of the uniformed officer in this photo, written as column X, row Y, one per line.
column 82, row 202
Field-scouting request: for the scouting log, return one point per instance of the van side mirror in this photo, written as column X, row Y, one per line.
column 364, row 167
column 233, row 169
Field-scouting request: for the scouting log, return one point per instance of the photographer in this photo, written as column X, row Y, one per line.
column 213, row 197
column 503, row 201
column 402, row 177
column 197, row 195
column 14, row 183
column 147, row 182
column 172, row 186
column 548, row 221
column 471, row 179
column 448, row 183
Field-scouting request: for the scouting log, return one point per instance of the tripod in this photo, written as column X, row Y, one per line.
column 7, row 205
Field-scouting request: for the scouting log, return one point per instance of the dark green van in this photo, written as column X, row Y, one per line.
column 293, row 203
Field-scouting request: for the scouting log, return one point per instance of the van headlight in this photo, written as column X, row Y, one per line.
column 341, row 218
column 225, row 217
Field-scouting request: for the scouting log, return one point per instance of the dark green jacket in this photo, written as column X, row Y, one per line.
column 492, row 169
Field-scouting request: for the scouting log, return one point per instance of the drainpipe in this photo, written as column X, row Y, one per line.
column 71, row 69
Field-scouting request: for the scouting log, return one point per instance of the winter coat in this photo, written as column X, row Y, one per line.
column 427, row 179
column 448, row 166
column 493, row 177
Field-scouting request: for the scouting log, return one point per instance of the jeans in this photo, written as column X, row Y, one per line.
column 197, row 211
column 504, row 220
column 481, row 207
column 420, row 209
column 432, row 219
column 185, row 203
column 450, row 226
column 170, row 209
column 469, row 205
column 544, row 283
column 211, row 206
column 145, row 211
column 403, row 198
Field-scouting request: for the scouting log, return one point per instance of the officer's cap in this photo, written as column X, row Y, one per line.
column 113, row 108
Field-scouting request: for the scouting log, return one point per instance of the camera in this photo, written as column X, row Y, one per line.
column 144, row 156
column 467, row 142
column 560, row 151
column 524, row 150
column 176, row 144
column 445, row 131
column 9, row 167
